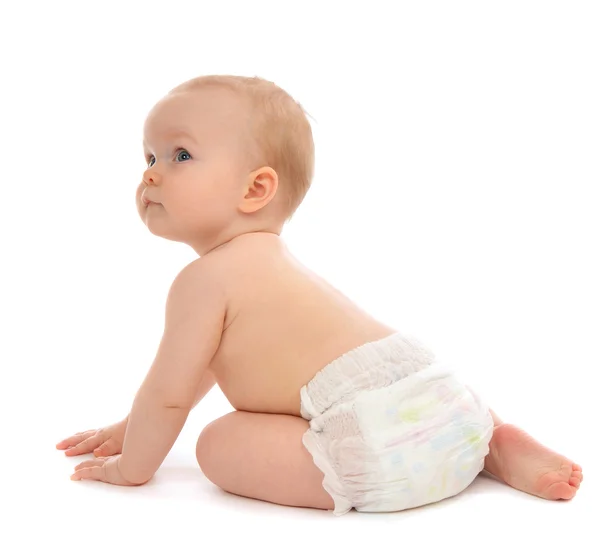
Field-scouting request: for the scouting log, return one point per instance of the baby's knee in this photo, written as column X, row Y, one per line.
column 209, row 444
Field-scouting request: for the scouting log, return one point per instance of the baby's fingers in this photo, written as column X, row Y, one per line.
column 86, row 446
column 74, row 439
column 108, row 448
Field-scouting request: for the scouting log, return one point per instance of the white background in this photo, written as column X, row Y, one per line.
column 455, row 198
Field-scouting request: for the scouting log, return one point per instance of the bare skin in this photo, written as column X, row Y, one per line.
column 273, row 323
column 285, row 324
column 525, row 464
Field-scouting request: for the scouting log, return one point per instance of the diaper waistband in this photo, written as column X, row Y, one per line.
column 373, row 365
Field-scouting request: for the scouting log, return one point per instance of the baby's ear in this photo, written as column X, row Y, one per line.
column 261, row 189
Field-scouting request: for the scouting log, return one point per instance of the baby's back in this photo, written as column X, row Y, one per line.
column 284, row 323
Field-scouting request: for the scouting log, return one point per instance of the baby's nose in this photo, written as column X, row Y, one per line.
column 150, row 179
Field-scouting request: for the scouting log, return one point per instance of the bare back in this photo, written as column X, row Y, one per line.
column 284, row 323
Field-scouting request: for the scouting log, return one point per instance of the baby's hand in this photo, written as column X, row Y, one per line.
column 104, row 442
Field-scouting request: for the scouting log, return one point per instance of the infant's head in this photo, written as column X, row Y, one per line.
column 226, row 155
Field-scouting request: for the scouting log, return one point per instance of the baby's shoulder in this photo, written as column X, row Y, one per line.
column 207, row 268
column 219, row 269
column 249, row 261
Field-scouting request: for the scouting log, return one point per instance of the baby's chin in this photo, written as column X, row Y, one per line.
column 149, row 215
column 154, row 219
column 142, row 212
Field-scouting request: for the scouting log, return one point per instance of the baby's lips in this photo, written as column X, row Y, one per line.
column 146, row 200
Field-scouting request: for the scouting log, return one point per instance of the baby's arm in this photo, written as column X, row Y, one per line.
column 194, row 318
column 206, row 384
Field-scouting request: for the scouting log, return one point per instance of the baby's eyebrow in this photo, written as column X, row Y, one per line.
column 173, row 135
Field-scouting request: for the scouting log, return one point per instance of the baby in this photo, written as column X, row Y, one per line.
column 334, row 409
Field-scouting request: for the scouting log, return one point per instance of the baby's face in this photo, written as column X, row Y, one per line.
column 193, row 144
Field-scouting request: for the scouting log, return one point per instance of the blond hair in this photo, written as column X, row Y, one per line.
column 280, row 131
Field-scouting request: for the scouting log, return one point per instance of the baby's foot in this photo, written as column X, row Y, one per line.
column 529, row 466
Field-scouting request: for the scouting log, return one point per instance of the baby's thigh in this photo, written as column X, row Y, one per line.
column 262, row 456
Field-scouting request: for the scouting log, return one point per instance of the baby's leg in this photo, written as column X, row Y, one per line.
column 527, row 465
column 262, row 456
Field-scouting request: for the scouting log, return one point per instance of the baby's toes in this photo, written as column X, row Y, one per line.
column 576, row 478
column 561, row 491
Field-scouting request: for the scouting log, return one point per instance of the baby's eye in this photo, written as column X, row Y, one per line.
column 183, row 151
column 148, row 160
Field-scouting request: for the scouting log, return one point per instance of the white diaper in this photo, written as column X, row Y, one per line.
column 391, row 428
